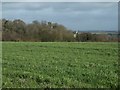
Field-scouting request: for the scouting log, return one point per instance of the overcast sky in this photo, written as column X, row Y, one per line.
column 59, row 0
column 76, row 16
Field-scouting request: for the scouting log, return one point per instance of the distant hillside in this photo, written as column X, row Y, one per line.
column 99, row 32
column 97, row 36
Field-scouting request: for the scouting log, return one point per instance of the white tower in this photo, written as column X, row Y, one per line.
column 75, row 34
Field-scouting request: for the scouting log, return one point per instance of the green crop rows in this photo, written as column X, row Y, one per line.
column 59, row 64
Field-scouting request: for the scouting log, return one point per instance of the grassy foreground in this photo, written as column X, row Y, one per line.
column 63, row 65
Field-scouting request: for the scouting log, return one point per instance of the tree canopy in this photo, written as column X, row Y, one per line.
column 18, row 30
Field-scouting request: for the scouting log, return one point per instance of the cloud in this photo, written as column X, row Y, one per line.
column 57, row 6
column 0, row 10
column 76, row 16
column 60, row 1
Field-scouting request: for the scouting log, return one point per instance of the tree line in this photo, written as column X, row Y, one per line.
column 18, row 30
column 43, row 31
column 89, row 37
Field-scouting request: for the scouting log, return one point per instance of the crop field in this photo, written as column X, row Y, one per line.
column 59, row 64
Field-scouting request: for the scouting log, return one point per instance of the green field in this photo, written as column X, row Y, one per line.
column 60, row 64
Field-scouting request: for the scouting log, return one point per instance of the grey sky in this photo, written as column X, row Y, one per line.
column 76, row 16
column 59, row 0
